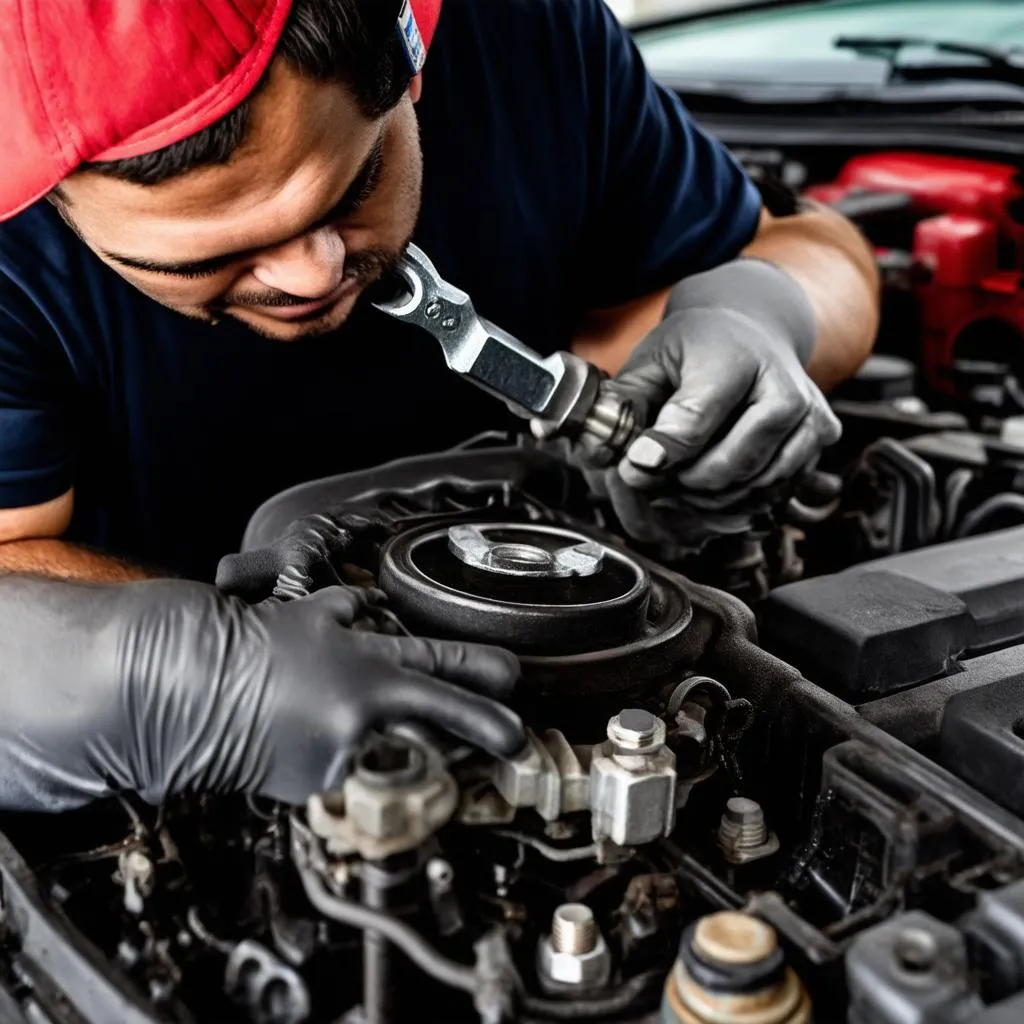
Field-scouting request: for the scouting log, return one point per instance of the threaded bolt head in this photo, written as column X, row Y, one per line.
column 440, row 874
column 743, row 833
column 748, row 819
column 916, row 949
column 573, row 929
column 636, row 729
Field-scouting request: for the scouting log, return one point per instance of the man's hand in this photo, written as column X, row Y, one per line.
column 722, row 382
column 166, row 687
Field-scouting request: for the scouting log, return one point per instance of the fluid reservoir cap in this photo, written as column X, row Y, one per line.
column 734, row 938
column 732, row 968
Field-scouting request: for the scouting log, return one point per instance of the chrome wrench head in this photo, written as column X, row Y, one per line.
column 561, row 394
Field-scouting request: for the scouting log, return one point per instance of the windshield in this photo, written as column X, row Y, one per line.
column 794, row 43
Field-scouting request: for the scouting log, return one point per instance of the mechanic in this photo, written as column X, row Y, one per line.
column 196, row 194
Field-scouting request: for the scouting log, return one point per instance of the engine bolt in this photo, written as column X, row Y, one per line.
column 916, row 950
column 138, row 866
column 746, row 819
column 634, row 729
column 574, row 957
column 743, row 834
column 573, row 929
column 439, row 873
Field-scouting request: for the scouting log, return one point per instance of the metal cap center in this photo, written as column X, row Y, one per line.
column 472, row 546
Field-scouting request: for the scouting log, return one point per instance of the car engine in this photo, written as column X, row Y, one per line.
column 698, row 825
column 776, row 778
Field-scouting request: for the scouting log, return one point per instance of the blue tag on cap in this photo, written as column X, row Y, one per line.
column 412, row 41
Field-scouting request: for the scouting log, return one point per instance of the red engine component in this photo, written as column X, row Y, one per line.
column 969, row 235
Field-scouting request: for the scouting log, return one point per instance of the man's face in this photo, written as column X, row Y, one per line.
column 315, row 206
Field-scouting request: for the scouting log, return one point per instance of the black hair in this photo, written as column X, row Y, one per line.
column 354, row 42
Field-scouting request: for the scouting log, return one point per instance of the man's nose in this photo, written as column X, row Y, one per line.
column 308, row 267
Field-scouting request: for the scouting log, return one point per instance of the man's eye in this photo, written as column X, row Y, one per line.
column 187, row 273
column 192, row 275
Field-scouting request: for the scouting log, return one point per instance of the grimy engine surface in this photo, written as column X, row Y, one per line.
column 700, row 830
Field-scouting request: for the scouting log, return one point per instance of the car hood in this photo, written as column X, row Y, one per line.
column 795, row 44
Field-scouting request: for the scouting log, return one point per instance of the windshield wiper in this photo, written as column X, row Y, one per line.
column 998, row 55
column 997, row 62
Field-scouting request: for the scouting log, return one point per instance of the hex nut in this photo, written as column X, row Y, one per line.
column 577, row 971
column 380, row 822
column 518, row 779
column 633, row 806
column 385, row 815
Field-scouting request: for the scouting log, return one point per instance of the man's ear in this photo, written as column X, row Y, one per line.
column 416, row 88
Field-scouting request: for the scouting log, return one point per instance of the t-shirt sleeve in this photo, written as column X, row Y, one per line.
column 666, row 200
column 35, row 454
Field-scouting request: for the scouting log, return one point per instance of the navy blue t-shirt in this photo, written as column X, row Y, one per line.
column 558, row 179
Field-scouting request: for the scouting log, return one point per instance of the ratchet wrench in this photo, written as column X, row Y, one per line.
column 561, row 395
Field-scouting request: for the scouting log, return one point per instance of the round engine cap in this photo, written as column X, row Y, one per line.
column 531, row 587
column 730, row 937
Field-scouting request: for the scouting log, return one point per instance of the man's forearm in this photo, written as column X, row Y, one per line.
column 60, row 560
column 829, row 258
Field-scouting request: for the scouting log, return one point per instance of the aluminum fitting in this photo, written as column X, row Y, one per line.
column 635, row 731
column 633, row 781
column 399, row 794
column 743, row 834
column 473, row 546
column 574, row 956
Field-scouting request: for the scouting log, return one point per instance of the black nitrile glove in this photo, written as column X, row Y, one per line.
column 722, row 381
column 166, row 687
column 297, row 563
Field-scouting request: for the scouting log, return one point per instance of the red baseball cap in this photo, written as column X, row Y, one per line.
column 109, row 79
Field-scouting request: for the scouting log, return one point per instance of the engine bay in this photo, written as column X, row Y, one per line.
column 777, row 777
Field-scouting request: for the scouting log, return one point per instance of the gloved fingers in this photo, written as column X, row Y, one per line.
column 249, row 574
column 597, row 482
column 342, row 604
column 751, row 497
column 492, row 671
column 798, row 455
column 749, row 447
column 633, row 509
column 710, row 393
column 738, row 499
column 802, row 450
column 648, row 378
column 817, row 487
column 478, row 720
column 674, row 527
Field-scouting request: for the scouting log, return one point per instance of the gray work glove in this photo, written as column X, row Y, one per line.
column 666, row 522
column 722, row 378
column 167, row 687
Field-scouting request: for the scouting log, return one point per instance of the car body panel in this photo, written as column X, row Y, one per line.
column 793, row 42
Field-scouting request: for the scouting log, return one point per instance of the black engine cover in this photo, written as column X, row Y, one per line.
column 899, row 621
